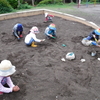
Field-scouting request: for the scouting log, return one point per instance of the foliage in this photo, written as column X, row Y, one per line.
column 94, row 1
column 14, row 3
column 50, row 2
column 25, row 6
column 46, row 2
column 5, row 6
column 90, row 1
column 37, row 2
column 57, row 5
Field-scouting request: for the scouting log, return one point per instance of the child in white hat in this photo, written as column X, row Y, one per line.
column 30, row 38
column 6, row 70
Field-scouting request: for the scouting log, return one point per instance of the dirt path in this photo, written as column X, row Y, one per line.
column 90, row 12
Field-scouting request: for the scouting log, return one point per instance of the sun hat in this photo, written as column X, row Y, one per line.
column 19, row 27
column 52, row 26
column 97, row 31
column 34, row 29
column 46, row 14
column 6, row 68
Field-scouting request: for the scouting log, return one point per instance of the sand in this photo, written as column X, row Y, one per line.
column 41, row 75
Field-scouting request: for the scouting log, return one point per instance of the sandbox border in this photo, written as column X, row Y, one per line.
column 42, row 11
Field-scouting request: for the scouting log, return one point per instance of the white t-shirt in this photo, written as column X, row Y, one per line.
column 30, row 36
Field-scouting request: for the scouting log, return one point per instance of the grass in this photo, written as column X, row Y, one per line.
column 53, row 6
column 58, row 6
column 69, row 5
column 50, row 6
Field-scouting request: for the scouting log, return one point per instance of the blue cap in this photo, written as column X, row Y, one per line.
column 97, row 32
column 19, row 27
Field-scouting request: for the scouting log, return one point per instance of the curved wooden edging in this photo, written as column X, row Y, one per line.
column 42, row 11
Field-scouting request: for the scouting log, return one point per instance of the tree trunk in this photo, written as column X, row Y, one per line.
column 32, row 2
column 63, row 1
column 79, row 1
column 18, row 3
column 71, row 1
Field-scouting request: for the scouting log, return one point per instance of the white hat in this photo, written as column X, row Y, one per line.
column 34, row 29
column 46, row 14
column 6, row 68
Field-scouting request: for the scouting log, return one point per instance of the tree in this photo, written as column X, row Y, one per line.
column 71, row 1
column 19, row 3
column 63, row 1
column 33, row 2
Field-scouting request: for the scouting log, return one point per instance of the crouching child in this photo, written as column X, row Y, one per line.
column 6, row 84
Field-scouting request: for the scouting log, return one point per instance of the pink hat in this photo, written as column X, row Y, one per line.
column 34, row 29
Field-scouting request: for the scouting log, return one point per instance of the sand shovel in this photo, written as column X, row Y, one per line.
column 54, row 37
column 95, row 39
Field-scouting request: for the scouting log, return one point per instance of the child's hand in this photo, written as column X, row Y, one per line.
column 50, row 35
column 94, row 36
column 43, row 40
column 16, row 88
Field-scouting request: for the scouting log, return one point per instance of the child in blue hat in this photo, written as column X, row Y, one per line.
column 18, row 30
column 92, row 38
column 50, row 31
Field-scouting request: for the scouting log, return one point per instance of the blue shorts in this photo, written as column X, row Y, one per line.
column 30, row 42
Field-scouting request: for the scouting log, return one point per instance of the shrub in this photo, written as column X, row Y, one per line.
column 5, row 7
column 50, row 2
column 24, row 6
column 46, row 2
column 14, row 3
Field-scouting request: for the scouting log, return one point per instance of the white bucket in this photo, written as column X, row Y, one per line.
column 70, row 56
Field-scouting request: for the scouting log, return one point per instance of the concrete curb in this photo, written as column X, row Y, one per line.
column 42, row 11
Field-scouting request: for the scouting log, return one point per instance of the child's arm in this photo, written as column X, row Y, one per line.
column 9, row 82
column 4, row 89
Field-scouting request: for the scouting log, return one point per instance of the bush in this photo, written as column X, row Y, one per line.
column 5, row 7
column 59, row 1
column 24, row 6
column 46, row 2
column 51, row 2
column 14, row 3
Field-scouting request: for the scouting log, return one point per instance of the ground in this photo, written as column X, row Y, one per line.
column 41, row 75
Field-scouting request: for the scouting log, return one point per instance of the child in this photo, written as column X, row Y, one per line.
column 18, row 30
column 48, row 17
column 92, row 38
column 6, row 84
column 30, row 38
column 50, row 31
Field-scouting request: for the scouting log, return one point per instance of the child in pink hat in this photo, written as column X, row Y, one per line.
column 31, row 38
